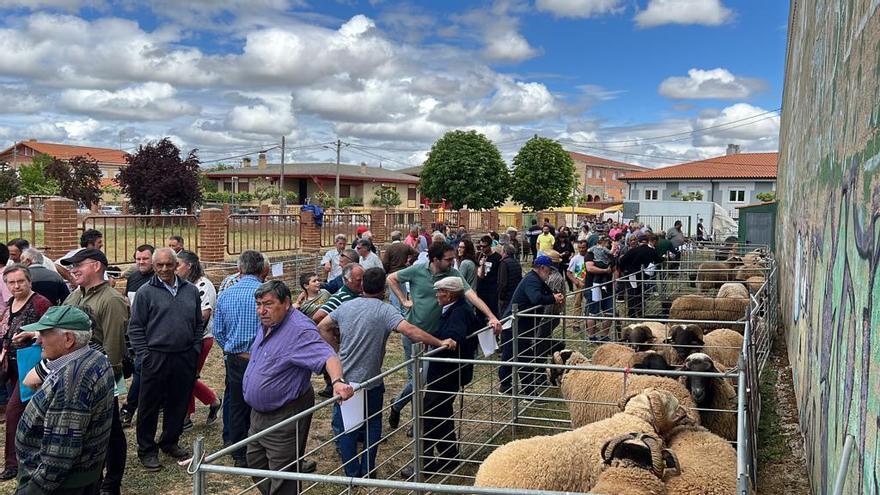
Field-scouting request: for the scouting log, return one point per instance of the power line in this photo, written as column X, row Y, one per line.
column 377, row 156
column 678, row 160
column 265, row 149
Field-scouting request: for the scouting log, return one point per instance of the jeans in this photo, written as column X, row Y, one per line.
column 236, row 419
column 358, row 464
column 131, row 400
column 405, row 395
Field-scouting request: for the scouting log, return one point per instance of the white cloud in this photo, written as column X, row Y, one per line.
column 521, row 102
column 740, row 122
column 274, row 116
column 69, row 5
column 18, row 99
column 148, row 101
column 710, row 84
column 505, row 44
column 580, row 8
column 498, row 30
column 705, row 12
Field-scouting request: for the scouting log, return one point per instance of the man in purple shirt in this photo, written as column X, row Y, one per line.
column 277, row 383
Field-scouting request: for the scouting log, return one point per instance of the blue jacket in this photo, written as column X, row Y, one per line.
column 456, row 323
column 531, row 291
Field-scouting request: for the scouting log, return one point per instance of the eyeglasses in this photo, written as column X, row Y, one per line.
column 449, row 259
column 76, row 266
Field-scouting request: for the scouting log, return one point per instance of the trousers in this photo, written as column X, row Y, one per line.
column 166, row 383
column 237, row 418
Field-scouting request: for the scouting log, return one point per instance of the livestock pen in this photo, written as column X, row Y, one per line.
column 486, row 415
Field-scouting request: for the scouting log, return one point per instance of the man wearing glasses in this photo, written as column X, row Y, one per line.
column 333, row 285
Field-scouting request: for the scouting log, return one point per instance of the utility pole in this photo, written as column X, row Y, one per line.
column 281, row 180
column 338, row 153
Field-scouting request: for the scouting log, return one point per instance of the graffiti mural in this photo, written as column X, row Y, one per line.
column 829, row 234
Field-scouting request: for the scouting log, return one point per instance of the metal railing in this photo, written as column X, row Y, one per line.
column 659, row 223
column 24, row 223
column 401, row 220
column 342, row 223
column 124, row 233
column 267, row 233
column 446, row 217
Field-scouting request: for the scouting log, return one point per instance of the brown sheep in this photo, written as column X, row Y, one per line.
column 734, row 290
column 706, row 463
column 694, row 307
column 636, row 463
column 724, row 346
column 755, row 283
column 712, row 274
column 684, row 340
column 715, row 393
column 644, row 335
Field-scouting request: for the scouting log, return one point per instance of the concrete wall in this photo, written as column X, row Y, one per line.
column 827, row 233
column 717, row 191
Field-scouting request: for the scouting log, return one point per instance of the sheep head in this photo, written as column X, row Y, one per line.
column 641, row 451
column 658, row 407
column 639, row 335
column 650, row 360
column 685, row 339
column 734, row 261
column 565, row 356
column 700, row 387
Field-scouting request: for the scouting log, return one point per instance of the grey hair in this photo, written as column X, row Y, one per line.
column 346, row 271
column 364, row 241
column 438, row 237
column 81, row 338
column 414, row 228
column 503, row 239
column 275, row 287
column 340, row 237
column 395, row 236
column 17, row 267
column 251, row 263
column 509, row 250
column 33, row 255
column 351, row 254
column 165, row 250
column 367, row 235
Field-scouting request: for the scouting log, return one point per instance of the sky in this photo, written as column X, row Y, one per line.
column 649, row 82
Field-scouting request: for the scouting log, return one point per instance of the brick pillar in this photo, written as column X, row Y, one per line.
column 212, row 235
column 264, row 221
column 125, row 207
column 426, row 218
column 61, row 231
column 311, row 233
column 464, row 218
column 378, row 227
column 493, row 220
column 226, row 210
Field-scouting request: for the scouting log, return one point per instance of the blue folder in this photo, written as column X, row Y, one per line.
column 27, row 358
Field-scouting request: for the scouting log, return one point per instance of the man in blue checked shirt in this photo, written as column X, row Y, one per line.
column 235, row 326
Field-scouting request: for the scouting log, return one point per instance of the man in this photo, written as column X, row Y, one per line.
column 532, row 291
column 92, row 239
column 675, row 236
column 512, row 234
column 175, row 242
column 368, row 259
column 330, row 261
column 347, row 256
column 533, row 233
column 166, row 333
column 277, row 385
column 363, row 327
column 396, row 236
column 598, row 268
column 509, row 276
column 424, row 311
column 487, row 273
column 235, row 326
column 545, row 241
column 142, row 273
column 18, row 246
column 631, row 265
column 352, row 276
column 701, row 231
column 63, row 435
column 44, row 281
column 87, row 268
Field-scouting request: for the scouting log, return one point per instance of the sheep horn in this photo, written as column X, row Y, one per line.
column 656, row 448
column 670, row 461
column 610, row 445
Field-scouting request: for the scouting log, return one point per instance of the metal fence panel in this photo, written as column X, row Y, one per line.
column 342, row 223
column 24, row 223
column 124, row 233
column 267, row 233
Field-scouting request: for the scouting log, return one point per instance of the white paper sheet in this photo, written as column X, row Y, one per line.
column 131, row 297
column 277, row 269
column 632, row 281
column 596, row 293
column 487, row 342
column 353, row 409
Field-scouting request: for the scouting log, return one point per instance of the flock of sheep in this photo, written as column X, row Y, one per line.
column 636, row 433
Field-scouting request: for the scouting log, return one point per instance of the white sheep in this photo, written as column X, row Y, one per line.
column 734, row 290
column 706, row 463
column 716, row 396
column 572, row 461
column 592, row 395
column 636, row 464
column 694, row 307
column 723, row 346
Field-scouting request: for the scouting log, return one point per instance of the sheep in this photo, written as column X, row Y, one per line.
column 711, row 273
column 755, row 283
column 706, row 463
column 684, row 340
column 605, row 388
column 734, row 290
column 755, row 258
column 636, row 465
column 618, row 356
column 644, row 335
column 711, row 393
column 572, row 460
column 748, row 271
column 694, row 307
column 723, row 346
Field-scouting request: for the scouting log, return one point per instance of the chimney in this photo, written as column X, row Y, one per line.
column 261, row 161
column 32, row 140
column 732, row 149
column 363, row 168
column 246, row 163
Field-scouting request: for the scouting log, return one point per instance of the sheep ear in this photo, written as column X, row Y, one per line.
column 670, row 460
column 565, row 355
column 668, row 340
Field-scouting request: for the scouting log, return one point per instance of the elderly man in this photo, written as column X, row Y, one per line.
column 360, row 328
column 330, row 261
column 368, row 259
column 44, row 281
column 175, row 242
column 333, row 285
column 235, row 326
column 532, row 291
column 277, row 385
column 62, row 438
column 18, row 246
column 165, row 331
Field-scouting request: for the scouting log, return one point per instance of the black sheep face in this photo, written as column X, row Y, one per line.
column 700, row 387
column 686, row 340
column 640, row 336
column 652, row 361
column 560, row 357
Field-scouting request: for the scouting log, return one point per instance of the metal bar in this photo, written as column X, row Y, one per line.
column 843, row 467
column 417, row 411
column 198, row 475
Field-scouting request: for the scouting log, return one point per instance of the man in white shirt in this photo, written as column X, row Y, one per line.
column 330, row 261
column 368, row 259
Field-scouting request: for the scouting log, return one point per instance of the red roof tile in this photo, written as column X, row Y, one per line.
column 68, row 151
column 737, row 166
column 596, row 160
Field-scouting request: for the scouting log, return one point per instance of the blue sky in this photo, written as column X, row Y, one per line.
column 229, row 77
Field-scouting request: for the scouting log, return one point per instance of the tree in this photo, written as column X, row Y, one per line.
column 33, row 177
column 766, row 196
column 79, row 179
column 157, row 178
column 691, row 196
column 386, row 197
column 465, row 168
column 9, row 183
column 543, row 175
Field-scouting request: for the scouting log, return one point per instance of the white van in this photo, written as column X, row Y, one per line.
column 111, row 210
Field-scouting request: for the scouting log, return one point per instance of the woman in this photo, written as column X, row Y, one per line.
column 565, row 248
column 312, row 296
column 189, row 269
column 23, row 308
column 467, row 261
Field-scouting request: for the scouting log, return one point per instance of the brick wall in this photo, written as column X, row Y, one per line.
column 61, row 232
column 212, row 235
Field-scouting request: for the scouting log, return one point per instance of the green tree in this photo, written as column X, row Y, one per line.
column 691, row 196
column 157, row 177
column 386, row 197
column 766, row 196
column 79, row 178
column 33, row 177
column 543, row 175
column 9, row 183
column 465, row 168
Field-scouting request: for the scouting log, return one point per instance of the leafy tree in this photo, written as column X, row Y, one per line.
column 210, row 185
column 79, row 178
column 691, row 196
column 465, row 168
column 543, row 175
column 9, row 183
column 766, row 196
column 157, row 178
column 386, row 197
column 33, row 177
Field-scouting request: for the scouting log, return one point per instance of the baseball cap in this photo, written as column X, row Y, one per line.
column 66, row 317
column 542, row 261
column 84, row 254
column 361, row 229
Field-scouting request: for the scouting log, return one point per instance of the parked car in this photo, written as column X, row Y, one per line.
column 111, row 210
column 178, row 211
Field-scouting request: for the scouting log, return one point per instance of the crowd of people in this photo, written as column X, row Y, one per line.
column 65, row 426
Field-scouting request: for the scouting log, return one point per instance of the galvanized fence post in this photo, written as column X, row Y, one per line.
column 417, row 411
column 197, row 474
column 514, row 330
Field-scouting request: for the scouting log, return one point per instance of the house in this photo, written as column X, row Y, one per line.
column 358, row 183
column 732, row 180
column 599, row 178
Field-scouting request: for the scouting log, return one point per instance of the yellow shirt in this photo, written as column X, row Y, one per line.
column 545, row 242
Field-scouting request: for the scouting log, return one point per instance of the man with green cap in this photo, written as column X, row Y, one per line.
column 63, row 434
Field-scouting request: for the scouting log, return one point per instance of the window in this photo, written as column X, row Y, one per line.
column 652, row 194
column 411, row 194
column 589, row 173
column 598, row 173
column 227, row 186
column 344, row 190
column 736, row 196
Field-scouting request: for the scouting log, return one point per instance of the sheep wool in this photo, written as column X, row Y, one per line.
column 724, row 346
column 614, row 355
column 572, row 460
column 755, row 283
column 707, row 463
column 712, row 274
column 636, row 465
column 694, row 307
column 734, row 290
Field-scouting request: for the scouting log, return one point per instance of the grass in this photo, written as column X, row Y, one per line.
column 772, row 445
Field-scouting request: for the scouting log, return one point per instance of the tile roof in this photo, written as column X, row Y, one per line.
column 604, row 162
column 68, row 151
column 736, row 166
column 324, row 170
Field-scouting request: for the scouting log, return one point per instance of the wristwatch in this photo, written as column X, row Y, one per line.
column 339, row 380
